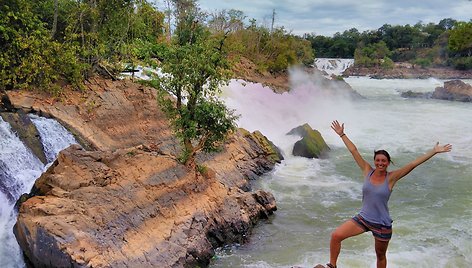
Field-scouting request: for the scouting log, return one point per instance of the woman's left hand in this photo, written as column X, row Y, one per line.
column 442, row 148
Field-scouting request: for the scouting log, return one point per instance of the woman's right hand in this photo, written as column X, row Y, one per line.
column 338, row 128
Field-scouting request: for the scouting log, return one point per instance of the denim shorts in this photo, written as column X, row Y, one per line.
column 380, row 232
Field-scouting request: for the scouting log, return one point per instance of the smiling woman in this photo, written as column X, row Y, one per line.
column 378, row 185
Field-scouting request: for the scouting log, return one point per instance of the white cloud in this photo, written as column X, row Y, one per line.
column 328, row 17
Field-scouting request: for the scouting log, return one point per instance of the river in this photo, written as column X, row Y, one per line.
column 431, row 207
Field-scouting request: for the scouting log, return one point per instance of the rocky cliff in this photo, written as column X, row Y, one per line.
column 126, row 201
column 403, row 70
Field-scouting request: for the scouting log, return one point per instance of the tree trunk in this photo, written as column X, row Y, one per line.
column 54, row 22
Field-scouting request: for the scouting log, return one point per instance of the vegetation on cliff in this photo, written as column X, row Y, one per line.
column 444, row 44
column 46, row 42
column 196, row 66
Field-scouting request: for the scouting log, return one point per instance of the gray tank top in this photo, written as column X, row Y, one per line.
column 374, row 201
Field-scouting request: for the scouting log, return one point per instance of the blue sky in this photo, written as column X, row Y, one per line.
column 325, row 17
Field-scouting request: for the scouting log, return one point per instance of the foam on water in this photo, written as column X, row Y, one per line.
column 54, row 136
column 431, row 207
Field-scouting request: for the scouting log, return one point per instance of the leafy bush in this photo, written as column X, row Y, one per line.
column 463, row 63
column 28, row 55
column 423, row 62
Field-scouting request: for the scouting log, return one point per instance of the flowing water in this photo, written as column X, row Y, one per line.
column 19, row 169
column 431, row 207
column 333, row 66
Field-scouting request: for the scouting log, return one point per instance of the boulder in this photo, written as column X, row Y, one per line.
column 412, row 94
column 455, row 90
column 312, row 144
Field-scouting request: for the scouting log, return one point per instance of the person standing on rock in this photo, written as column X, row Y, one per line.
column 378, row 185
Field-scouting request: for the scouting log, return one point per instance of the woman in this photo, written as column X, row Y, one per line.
column 374, row 215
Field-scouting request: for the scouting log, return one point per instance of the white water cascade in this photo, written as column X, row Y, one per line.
column 333, row 66
column 431, row 207
column 19, row 170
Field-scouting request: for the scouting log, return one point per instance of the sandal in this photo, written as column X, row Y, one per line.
column 329, row 265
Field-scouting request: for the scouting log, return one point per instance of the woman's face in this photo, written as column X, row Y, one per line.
column 381, row 162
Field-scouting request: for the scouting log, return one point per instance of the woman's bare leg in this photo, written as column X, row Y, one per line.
column 345, row 230
column 381, row 252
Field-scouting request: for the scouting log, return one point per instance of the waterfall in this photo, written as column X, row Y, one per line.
column 54, row 136
column 333, row 66
column 19, row 168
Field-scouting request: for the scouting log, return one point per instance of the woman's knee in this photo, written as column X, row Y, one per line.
column 337, row 236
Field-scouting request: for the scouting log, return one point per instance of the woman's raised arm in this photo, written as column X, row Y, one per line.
column 403, row 171
column 339, row 129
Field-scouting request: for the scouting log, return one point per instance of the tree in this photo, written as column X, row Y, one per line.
column 373, row 55
column 196, row 65
column 28, row 55
column 460, row 39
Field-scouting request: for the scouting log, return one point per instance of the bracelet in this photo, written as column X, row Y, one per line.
column 344, row 134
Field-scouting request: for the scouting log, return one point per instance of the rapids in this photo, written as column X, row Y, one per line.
column 431, row 207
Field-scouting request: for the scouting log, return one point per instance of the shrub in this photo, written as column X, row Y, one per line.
column 462, row 63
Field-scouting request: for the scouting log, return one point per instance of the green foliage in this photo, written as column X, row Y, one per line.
column 407, row 43
column 28, row 55
column 271, row 51
column 460, row 39
column 373, row 55
column 463, row 63
column 422, row 62
column 42, row 43
column 387, row 63
column 197, row 67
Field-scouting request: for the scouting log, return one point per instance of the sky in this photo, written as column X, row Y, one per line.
column 326, row 17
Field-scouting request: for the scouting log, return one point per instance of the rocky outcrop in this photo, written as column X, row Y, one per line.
column 454, row 90
column 248, row 71
column 420, row 95
column 408, row 71
column 312, row 144
column 126, row 201
column 108, row 115
column 137, row 208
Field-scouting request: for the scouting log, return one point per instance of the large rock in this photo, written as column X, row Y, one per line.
column 139, row 208
column 455, row 90
column 107, row 116
column 312, row 144
column 408, row 71
column 420, row 95
column 128, row 202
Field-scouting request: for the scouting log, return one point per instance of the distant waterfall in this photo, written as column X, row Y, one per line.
column 333, row 66
column 19, row 168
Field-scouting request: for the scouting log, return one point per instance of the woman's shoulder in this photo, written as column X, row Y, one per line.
column 367, row 172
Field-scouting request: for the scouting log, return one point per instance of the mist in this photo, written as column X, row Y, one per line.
column 308, row 101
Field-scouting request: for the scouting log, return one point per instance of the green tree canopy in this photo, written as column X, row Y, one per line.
column 197, row 66
column 460, row 39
